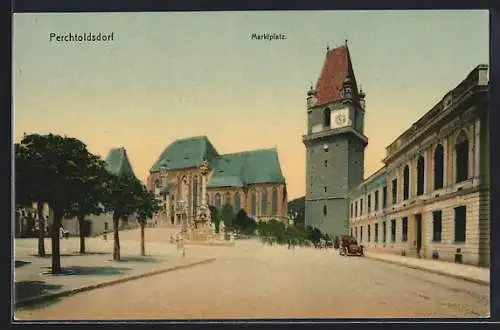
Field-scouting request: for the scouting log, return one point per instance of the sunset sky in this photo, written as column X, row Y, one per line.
column 173, row 75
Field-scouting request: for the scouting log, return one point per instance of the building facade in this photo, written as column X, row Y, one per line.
column 335, row 143
column 250, row 180
column 432, row 197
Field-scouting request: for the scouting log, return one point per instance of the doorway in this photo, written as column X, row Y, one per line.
column 418, row 220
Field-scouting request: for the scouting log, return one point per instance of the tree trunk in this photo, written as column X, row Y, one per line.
column 143, row 249
column 116, row 244
column 41, row 230
column 56, row 252
column 81, row 224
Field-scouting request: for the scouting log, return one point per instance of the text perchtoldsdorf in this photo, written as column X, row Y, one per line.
column 81, row 37
column 268, row 36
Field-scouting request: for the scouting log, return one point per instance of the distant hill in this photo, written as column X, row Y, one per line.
column 297, row 205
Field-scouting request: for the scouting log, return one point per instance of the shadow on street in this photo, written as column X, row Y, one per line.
column 21, row 263
column 139, row 259
column 89, row 270
column 28, row 289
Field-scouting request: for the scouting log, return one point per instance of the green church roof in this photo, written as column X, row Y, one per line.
column 117, row 162
column 244, row 168
column 186, row 153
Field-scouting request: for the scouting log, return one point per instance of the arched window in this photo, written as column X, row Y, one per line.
column 420, row 175
column 254, row 203
column 406, row 182
column 195, row 195
column 462, row 157
column 217, row 201
column 263, row 202
column 157, row 183
column 326, row 117
column 325, row 211
column 237, row 202
column 438, row 167
column 274, row 201
column 227, row 198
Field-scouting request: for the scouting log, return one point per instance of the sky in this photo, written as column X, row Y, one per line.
column 166, row 76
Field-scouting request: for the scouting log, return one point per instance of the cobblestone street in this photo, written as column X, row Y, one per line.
column 255, row 281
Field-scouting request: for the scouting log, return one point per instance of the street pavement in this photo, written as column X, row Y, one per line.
column 255, row 281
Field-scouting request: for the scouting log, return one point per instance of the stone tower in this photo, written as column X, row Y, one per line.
column 335, row 143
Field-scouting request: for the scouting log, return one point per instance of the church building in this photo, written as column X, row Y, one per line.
column 248, row 180
column 431, row 197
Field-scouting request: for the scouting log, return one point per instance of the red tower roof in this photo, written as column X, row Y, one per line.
column 336, row 68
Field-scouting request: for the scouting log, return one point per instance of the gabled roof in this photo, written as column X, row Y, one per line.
column 245, row 168
column 186, row 153
column 117, row 162
column 336, row 68
column 374, row 181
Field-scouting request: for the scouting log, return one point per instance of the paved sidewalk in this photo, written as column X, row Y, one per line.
column 469, row 273
column 34, row 284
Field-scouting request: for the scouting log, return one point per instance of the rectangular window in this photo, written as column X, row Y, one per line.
column 369, row 232
column 361, row 207
column 325, row 189
column 384, row 233
column 356, row 209
column 326, row 163
column 361, row 234
column 460, row 223
column 376, row 233
column 384, row 197
column 404, row 231
column 356, row 232
column 436, row 226
column 376, row 200
column 351, row 210
column 369, row 203
column 393, row 230
column 394, row 191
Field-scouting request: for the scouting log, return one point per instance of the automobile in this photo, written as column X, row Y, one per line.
column 349, row 247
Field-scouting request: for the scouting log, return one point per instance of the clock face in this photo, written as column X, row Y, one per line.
column 340, row 119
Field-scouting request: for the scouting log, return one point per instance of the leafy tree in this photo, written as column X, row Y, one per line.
column 59, row 168
column 214, row 217
column 244, row 223
column 227, row 216
column 91, row 195
column 336, row 242
column 30, row 187
column 121, row 199
column 147, row 206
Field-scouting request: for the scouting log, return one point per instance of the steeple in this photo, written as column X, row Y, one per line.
column 362, row 96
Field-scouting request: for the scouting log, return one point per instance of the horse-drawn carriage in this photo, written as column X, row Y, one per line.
column 349, row 246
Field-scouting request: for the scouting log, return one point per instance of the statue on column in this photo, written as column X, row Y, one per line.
column 203, row 212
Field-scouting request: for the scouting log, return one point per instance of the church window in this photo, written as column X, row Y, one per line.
column 326, row 117
column 217, row 201
column 227, row 198
column 406, row 182
column 157, row 183
column 274, row 201
column 263, row 202
column 462, row 157
column 438, row 167
column 254, row 203
column 420, row 175
column 237, row 202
